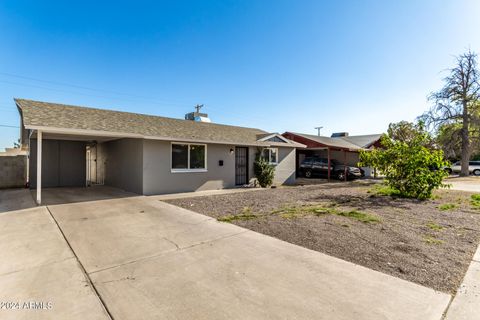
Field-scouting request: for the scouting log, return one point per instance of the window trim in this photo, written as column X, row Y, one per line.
column 270, row 155
column 185, row 170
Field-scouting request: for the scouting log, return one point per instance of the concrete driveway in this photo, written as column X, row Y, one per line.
column 471, row 183
column 150, row 260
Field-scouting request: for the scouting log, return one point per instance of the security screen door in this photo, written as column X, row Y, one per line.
column 241, row 165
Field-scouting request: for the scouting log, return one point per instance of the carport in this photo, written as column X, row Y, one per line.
column 63, row 158
column 344, row 149
column 326, row 152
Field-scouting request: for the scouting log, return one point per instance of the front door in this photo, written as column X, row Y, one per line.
column 241, row 165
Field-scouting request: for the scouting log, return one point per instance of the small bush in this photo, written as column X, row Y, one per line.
column 264, row 172
column 412, row 167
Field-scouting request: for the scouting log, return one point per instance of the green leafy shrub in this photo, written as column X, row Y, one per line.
column 413, row 168
column 264, row 171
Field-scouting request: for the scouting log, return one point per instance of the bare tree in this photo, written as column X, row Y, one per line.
column 458, row 102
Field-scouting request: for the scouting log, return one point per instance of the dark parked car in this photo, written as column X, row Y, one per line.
column 315, row 166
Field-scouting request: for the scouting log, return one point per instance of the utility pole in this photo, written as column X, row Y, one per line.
column 198, row 107
column 318, row 129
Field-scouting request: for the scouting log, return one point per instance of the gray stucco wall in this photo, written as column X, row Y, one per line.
column 13, row 170
column 63, row 163
column 123, row 160
column 284, row 170
column 158, row 178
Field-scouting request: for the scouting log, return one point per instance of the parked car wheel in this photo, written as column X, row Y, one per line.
column 308, row 173
column 341, row 175
column 476, row 172
column 448, row 170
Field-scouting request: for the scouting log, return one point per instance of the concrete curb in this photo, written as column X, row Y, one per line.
column 466, row 303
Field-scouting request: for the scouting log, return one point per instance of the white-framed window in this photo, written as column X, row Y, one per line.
column 271, row 155
column 188, row 157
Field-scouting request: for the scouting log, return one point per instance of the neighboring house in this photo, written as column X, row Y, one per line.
column 78, row 146
column 11, row 152
column 340, row 147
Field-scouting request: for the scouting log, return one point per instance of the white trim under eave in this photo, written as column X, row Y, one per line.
column 139, row 136
column 274, row 135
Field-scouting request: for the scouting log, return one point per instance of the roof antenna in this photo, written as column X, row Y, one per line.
column 198, row 107
column 318, row 129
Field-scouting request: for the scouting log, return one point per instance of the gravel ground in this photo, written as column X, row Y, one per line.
column 414, row 240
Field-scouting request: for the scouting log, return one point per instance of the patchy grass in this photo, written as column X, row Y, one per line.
column 359, row 215
column 295, row 212
column 246, row 214
column 475, row 201
column 435, row 197
column 432, row 240
column 447, row 206
column 383, row 190
column 290, row 212
column 433, row 226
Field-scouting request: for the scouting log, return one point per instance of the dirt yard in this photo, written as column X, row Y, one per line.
column 430, row 242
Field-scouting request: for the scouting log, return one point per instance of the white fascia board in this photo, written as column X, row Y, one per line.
column 139, row 136
column 274, row 135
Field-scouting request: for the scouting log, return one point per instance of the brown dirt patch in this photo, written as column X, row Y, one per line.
column 414, row 240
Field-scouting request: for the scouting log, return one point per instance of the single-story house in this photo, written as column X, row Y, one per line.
column 71, row 146
column 340, row 147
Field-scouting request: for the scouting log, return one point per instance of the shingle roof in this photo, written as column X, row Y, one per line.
column 54, row 115
column 363, row 141
column 350, row 142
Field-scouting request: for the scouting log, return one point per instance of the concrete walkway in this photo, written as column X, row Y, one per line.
column 471, row 184
column 151, row 260
column 466, row 304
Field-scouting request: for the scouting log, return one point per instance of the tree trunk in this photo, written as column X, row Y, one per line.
column 465, row 142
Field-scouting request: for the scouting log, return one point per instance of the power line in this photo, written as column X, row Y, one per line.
column 7, row 126
column 92, row 89
column 164, row 103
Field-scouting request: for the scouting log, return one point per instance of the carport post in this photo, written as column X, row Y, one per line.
column 329, row 162
column 345, row 164
column 39, row 167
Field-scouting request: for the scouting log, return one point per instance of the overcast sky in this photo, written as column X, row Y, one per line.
column 277, row 65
